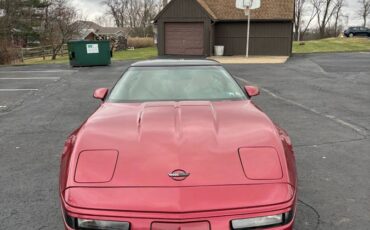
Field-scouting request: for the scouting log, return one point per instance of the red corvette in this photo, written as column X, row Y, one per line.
column 177, row 144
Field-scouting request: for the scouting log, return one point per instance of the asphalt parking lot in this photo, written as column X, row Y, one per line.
column 322, row 100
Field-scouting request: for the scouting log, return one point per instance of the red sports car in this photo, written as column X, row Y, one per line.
column 177, row 144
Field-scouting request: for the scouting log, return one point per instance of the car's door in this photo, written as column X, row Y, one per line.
column 362, row 31
column 355, row 31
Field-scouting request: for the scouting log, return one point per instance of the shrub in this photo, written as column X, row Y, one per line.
column 137, row 42
column 8, row 53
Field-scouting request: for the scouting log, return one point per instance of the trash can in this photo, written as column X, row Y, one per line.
column 89, row 53
column 219, row 50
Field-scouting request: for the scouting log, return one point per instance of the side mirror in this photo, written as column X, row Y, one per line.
column 101, row 93
column 252, row 90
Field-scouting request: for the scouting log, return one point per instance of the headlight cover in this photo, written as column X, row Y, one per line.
column 82, row 224
column 264, row 221
column 102, row 225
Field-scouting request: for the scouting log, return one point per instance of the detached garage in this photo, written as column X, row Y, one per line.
column 194, row 27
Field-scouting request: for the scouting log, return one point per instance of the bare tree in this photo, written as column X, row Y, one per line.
column 124, row 12
column 134, row 14
column 134, row 8
column 364, row 11
column 339, row 4
column 305, row 24
column 325, row 11
column 146, row 15
column 118, row 9
column 104, row 21
column 60, row 26
column 299, row 8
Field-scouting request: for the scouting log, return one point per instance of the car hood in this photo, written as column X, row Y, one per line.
column 141, row 144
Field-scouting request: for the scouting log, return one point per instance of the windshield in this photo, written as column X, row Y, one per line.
column 184, row 83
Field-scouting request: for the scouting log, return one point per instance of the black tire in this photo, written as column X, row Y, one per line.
column 351, row 35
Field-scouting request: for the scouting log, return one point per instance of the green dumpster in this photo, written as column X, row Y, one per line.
column 89, row 53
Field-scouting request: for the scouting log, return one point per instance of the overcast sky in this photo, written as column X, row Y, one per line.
column 91, row 9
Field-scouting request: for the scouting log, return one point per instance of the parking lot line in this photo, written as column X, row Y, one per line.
column 30, row 78
column 13, row 90
column 357, row 129
column 39, row 71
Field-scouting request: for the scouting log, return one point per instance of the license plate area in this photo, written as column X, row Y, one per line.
column 181, row 226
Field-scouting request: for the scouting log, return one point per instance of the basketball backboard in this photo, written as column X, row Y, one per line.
column 252, row 4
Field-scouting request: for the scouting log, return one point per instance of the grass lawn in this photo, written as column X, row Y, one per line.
column 137, row 54
column 59, row 60
column 333, row 45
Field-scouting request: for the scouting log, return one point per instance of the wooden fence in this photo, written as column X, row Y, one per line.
column 41, row 52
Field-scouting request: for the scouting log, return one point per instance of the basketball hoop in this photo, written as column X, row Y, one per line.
column 252, row 4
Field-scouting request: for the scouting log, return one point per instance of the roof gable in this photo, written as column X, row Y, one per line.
column 183, row 9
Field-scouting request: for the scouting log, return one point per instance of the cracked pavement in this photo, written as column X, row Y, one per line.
column 322, row 100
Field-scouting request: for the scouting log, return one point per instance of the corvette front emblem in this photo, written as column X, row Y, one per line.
column 179, row 175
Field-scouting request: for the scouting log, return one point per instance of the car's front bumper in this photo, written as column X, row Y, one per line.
column 218, row 220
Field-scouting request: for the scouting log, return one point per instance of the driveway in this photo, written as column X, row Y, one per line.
column 322, row 100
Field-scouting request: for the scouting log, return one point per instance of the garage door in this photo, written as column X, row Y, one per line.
column 184, row 39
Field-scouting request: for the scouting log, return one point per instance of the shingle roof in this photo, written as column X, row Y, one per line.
column 110, row 30
column 270, row 10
